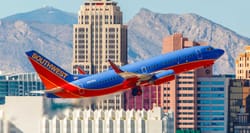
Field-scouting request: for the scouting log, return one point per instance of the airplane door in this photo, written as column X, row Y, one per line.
column 144, row 69
column 179, row 60
column 198, row 52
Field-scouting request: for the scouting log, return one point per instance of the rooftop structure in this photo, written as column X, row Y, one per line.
column 20, row 112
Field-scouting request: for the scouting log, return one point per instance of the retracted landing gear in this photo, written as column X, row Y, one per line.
column 137, row 91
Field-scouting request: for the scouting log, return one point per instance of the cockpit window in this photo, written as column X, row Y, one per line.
column 210, row 48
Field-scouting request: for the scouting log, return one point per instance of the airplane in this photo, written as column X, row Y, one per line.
column 154, row 71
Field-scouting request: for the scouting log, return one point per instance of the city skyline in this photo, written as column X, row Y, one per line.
column 195, row 101
column 232, row 15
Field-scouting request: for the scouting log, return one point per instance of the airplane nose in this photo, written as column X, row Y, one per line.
column 219, row 52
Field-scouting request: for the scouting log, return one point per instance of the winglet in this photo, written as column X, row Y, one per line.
column 116, row 68
column 81, row 71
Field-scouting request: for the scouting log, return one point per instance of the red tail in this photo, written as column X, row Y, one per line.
column 116, row 68
column 51, row 75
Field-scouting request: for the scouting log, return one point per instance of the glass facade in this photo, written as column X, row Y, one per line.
column 212, row 104
column 210, row 83
column 19, row 85
column 239, row 90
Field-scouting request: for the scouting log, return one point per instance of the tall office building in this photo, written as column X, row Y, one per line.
column 242, row 125
column 243, row 64
column 238, row 97
column 100, row 35
column 212, row 104
column 19, row 85
column 180, row 95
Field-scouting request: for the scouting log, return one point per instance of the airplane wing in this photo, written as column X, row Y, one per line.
column 151, row 78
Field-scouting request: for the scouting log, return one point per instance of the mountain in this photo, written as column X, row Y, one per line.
column 147, row 30
column 48, row 15
column 23, row 32
column 49, row 31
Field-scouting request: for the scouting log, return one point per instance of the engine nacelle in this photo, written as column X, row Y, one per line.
column 163, row 76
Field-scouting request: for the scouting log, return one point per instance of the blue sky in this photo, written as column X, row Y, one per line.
column 233, row 14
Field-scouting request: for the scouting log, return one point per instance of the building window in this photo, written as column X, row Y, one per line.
column 185, row 101
column 165, row 95
column 185, row 108
column 210, row 113
column 185, row 82
column 210, row 83
column 211, row 108
column 208, row 95
column 210, row 101
column 185, row 95
column 185, row 88
column 210, row 89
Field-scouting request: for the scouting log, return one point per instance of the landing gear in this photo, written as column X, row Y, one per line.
column 137, row 91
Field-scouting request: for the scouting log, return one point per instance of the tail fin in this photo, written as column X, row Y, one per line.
column 51, row 75
column 115, row 67
column 81, row 71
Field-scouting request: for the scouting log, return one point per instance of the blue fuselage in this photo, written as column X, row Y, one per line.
column 197, row 56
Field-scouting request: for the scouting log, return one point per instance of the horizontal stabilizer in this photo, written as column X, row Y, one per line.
column 53, row 90
column 37, row 92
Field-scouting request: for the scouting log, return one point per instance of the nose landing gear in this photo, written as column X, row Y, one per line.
column 137, row 91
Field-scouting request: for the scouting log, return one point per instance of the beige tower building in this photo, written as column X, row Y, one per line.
column 100, row 35
column 243, row 64
column 180, row 95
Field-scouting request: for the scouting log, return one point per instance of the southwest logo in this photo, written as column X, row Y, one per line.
column 49, row 65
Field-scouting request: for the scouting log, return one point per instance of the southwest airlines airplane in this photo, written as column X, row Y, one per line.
column 154, row 71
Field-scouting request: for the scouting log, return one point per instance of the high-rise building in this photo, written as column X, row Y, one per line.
column 248, row 104
column 212, row 104
column 19, row 85
column 242, row 124
column 238, row 98
column 180, row 95
column 242, row 64
column 100, row 35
